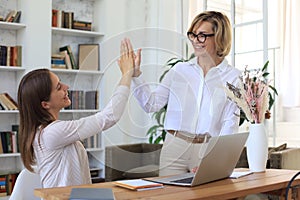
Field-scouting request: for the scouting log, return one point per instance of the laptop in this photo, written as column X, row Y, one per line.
column 218, row 159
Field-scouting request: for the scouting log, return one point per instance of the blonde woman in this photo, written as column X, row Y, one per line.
column 197, row 106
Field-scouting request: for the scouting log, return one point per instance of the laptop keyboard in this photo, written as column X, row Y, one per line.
column 184, row 180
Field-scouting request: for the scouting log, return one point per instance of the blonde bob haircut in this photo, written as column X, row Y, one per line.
column 221, row 28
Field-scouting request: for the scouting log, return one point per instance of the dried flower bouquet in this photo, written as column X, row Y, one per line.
column 252, row 95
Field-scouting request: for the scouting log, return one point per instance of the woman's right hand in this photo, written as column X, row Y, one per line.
column 137, row 63
column 137, row 57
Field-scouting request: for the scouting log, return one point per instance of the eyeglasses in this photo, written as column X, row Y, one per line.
column 201, row 37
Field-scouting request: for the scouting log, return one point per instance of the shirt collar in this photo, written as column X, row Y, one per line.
column 222, row 66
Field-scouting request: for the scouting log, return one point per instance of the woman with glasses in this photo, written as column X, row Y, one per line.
column 197, row 106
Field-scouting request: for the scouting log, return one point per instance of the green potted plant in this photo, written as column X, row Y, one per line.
column 157, row 134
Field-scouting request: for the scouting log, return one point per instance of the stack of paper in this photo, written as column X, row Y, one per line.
column 237, row 174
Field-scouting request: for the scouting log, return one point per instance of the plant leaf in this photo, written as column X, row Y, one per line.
column 265, row 66
column 274, row 89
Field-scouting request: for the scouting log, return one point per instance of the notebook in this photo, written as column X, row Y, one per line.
column 91, row 194
column 218, row 159
column 138, row 184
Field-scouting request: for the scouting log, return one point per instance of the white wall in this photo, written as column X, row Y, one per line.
column 153, row 26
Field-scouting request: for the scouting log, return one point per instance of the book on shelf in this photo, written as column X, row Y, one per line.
column 82, row 25
column 10, row 16
column 61, row 58
column 3, row 191
column 10, row 55
column 68, row 19
column 71, row 55
column 10, row 180
column 3, row 54
column 58, row 66
column 58, row 61
column 9, row 142
column 91, row 99
column 3, row 105
column 91, row 194
column 7, row 102
column 11, row 100
column 15, row 130
column 138, row 184
column 17, row 17
column 7, row 183
column 88, row 58
column 67, row 59
column 1, row 146
column 15, row 56
column 77, row 99
column 58, row 18
column 81, row 99
column 54, row 17
column 91, row 142
column 13, row 16
column 58, row 56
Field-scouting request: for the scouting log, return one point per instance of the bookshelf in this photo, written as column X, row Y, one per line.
column 86, row 10
column 11, row 35
column 39, row 40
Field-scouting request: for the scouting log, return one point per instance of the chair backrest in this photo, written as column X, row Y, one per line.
column 123, row 158
column 25, row 184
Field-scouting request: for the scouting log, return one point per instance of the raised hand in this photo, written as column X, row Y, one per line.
column 137, row 60
column 137, row 63
column 126, row 61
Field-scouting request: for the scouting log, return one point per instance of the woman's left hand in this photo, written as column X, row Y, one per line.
column 193, row 170
column 126, row 61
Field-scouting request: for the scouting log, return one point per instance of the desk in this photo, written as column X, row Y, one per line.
column 272, row 180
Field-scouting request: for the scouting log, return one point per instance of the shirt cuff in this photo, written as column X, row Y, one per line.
column 138, row 80
column 122, row 89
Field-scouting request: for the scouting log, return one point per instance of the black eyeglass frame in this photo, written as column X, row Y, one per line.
column 203, row 35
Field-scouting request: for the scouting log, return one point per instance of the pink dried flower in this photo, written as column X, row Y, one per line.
column 251, row 95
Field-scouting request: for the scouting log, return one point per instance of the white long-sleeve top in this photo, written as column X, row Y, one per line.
column 61, row 158
column 195, row 103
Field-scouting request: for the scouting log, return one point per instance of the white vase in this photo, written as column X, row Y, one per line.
column 257, row 148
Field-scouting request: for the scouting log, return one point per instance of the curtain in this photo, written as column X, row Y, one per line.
column 290, row 86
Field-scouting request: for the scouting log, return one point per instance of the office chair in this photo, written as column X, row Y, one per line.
column 25, row 184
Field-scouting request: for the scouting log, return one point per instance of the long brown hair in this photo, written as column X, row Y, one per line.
column 34, row 88
column 221, row 27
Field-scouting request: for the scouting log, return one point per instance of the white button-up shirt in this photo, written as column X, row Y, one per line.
column 195, row 103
